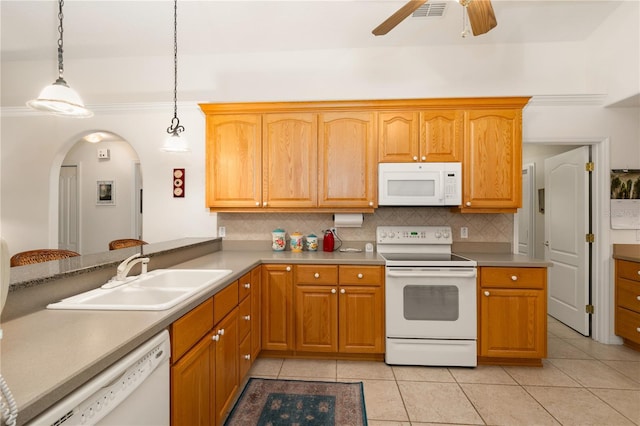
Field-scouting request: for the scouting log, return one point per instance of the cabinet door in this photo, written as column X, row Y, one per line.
column 256, row 313
column 290, row 160
column 361, row 319
column 441, row 135
column 347, row 160
column 192, row 386
column 398, row 137
column 233, row 161
column 492, row 166
column 317, row 318
column 513, row 323
column 227, row 364
column 277, row 307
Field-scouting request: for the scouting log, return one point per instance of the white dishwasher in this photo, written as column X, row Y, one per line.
column 132, row 392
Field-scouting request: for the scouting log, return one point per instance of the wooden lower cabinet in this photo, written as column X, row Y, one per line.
column 339, row 309
column 513, row 315
column 277, row 307
column 211, row 353
column 627, row 309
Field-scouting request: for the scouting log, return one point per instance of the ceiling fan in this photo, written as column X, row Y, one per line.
column 481, row 16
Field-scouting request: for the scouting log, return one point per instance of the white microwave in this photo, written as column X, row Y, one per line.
column 419, row 184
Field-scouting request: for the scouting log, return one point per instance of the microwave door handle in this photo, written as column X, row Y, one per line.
column 432, row 274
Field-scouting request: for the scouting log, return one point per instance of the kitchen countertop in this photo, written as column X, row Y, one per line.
column 48, row 353
column 630, row 252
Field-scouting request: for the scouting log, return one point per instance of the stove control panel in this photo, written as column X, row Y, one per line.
column 414, row 235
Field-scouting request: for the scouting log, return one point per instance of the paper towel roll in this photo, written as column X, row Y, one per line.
column 345, row 220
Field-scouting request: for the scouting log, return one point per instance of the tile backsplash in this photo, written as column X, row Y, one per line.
column 258, row 226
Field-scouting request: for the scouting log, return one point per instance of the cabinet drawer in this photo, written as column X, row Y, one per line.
column 513, row 277
column 244, row 319
column 361, row 275
column 225, row 301
column 628, row 294
column 187, row 330
column 316, row 274
column 628, row 270
column 244, row 286
column 628, row 324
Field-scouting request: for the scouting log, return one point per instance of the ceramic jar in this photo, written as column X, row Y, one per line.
column 278, row 241
column 296, row 242
column 312, row 242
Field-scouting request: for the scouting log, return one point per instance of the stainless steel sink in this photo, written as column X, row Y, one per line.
column 154, row 291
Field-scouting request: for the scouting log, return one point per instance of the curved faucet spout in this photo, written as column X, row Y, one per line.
column 130, row 262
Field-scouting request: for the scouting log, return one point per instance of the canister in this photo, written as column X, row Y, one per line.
column 296, row 242
column 278, row 239
column 312, row 242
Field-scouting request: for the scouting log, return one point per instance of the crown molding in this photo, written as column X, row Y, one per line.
column 113, row 108
column 567, row 100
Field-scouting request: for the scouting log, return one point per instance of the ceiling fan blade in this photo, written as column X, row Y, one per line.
column 398, row 17
column 481, row 16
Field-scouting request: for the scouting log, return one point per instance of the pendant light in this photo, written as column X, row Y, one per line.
column 59, row 98
column 174, row 142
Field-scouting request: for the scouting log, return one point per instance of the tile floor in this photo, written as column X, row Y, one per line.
column 582, row 383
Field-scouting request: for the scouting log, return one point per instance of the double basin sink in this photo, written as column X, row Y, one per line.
column 157, row 290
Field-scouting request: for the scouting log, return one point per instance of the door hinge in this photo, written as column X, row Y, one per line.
column 589, row 309
column 590, row 238
column 589, row 166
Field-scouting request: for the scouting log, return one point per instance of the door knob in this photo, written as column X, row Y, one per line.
column 486, row 293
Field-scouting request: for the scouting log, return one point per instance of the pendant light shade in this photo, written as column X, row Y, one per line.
column 174, row 142
column 59, row 98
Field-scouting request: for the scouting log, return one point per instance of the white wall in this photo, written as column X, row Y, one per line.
column 32, row 145
column 98, row 223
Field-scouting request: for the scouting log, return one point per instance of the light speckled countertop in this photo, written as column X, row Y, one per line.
column 47, row 354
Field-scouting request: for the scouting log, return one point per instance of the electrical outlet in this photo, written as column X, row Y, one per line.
column 464, row 232
column 222, row 231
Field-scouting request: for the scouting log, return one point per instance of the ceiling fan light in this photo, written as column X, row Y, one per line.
column 60, row 99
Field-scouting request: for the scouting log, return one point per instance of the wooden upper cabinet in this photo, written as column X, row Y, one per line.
column 290, row 160
column 347, row 158
column 234, row 161
column 441, row 135
column 492, row 165
column 398, row 137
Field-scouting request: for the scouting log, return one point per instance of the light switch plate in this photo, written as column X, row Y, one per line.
column 104, row 153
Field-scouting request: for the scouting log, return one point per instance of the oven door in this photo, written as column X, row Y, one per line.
column 431, row 303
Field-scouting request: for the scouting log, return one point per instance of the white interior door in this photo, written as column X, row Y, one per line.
column 567, row 221
column 526, row 214
column 68, row 209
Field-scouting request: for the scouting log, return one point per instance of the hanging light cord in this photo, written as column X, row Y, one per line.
column 175, row 127
column 60, row 43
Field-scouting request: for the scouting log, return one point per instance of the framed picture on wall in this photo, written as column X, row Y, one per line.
column 106, row 193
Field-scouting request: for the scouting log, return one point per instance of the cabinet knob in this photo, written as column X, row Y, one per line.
column 247, row 317
column 215, row 337
column 486, row 293
column 221, row 332
column 468, row 204
column 288, row 268
column 415, row 158
column 333, row 291
column 514, row 278
column 247, row 357
column 342, row 291
column 638, row 329
column 247, row 285
column 638, row 271
column 258, row 203
column 316, row 275
column 360, row 276
column 371, row 203
column 638, row 297
column 423, row 158
column 264, row 204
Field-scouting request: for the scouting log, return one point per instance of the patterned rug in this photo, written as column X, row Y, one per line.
column 271, row 402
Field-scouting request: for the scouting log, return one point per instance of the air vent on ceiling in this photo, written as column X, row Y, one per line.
column 430, row 10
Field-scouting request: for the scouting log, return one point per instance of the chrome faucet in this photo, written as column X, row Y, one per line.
column 128, row 263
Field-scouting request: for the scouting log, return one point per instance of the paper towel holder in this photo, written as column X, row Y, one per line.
column 348, row 220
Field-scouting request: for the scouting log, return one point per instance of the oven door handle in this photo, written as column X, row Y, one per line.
column 432, row 274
